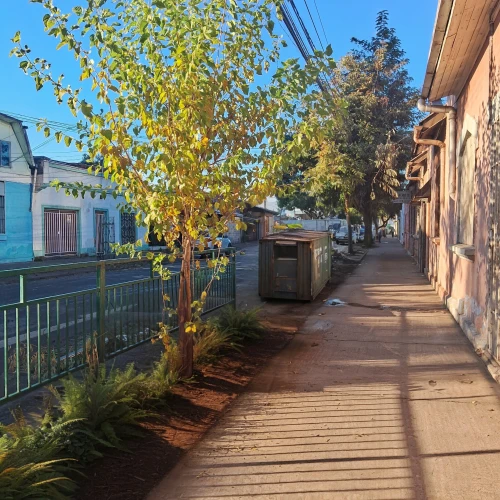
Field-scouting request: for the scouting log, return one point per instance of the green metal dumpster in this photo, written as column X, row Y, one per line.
column 294, row 265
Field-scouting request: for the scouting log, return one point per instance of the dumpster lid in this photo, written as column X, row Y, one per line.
column 296, row 235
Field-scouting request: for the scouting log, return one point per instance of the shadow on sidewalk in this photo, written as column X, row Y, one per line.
column 377, row 400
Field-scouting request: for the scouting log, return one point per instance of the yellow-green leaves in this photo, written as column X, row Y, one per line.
column 175, row 105
column 86, row 109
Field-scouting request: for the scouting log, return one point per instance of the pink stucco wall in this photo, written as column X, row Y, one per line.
column 467, row 279
column 463, row 282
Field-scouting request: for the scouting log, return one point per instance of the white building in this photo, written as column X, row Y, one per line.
column 67, row 225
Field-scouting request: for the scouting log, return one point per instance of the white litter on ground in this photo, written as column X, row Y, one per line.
column 334, row 302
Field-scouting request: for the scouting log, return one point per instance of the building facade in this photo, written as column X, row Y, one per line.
column 452, row 225
column 16, row 165
column 80, row 226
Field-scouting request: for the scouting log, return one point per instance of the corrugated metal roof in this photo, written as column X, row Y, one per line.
column 296, row 235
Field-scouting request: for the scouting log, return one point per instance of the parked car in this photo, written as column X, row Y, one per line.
column 342, row 236
column 336, row 225
column 222, row 242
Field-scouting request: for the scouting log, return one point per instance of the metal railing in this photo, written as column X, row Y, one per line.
column 45, row 338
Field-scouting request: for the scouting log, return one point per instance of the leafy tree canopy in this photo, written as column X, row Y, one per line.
column 295, row 191
column 188, row 129
column 362, row 154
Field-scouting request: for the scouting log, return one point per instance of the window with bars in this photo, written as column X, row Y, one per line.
column 2, row 207
column 4, row 154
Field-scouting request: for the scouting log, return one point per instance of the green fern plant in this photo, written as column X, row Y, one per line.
column 165, row 373
column 243, row 325
column 209, row 340
column 107, row 403
column 30, row 463
column 160, row 382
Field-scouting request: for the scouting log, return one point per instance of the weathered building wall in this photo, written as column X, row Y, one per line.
column 465, row 279
column 15, row 178
column 462, row 280
column 233, row 234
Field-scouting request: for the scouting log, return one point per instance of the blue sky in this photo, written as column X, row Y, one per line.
column 341, row 20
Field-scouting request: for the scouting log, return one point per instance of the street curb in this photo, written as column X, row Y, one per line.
column 355, row 259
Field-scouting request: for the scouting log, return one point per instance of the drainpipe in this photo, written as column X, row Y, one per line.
column 426, row 142
column 452, row 146
column 34, row 185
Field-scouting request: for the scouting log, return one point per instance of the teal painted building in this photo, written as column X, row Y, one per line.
column 16, row 242
column 16, row 167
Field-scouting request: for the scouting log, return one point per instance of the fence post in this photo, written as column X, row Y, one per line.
column 234, row 278
column 101, row 294
column 22, row 288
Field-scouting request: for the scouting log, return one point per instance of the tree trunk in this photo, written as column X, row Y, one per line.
column 349, row 226
column 367, row 219
column 184, row 312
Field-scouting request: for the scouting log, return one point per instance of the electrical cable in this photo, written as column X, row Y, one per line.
column 322, row 81
column 314, row 25
column 321, row 22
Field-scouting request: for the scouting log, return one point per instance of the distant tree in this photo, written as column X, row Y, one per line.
column 99, row 159
column 374, row 81
column 361, row 153
column 295, row 191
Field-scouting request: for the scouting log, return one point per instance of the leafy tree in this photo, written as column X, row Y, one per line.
column 295, row 191
column 188, row 130
column 361, row 151
column 375, row 84
column 98, row 159
column 335, row 169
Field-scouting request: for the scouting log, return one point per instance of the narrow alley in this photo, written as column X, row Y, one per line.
column 380, row 398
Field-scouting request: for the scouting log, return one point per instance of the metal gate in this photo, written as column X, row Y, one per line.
column 60, row 232
column 104, row 234
column 127, row 228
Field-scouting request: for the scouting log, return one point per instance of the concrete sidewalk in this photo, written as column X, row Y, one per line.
column 381, row 398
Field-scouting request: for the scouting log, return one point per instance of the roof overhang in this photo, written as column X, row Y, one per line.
column 21, row 136
column 460, row 31
column 419, row 160
column 422, row 195
column 262, row 210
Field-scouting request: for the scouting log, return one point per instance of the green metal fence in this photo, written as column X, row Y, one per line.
column 45, row 338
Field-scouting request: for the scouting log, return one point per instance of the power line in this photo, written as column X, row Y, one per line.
column 292, row 28
column 34, row 120
column 322, row 81
column 321, row 22
column 303, row 26
column 314, row 24
column 44, row 143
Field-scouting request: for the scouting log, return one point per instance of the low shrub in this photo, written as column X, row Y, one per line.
column 209, row 340
column 106, row 403
column 242, row 325
column 165, row 373
column 101, row 409
column 29, row 463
